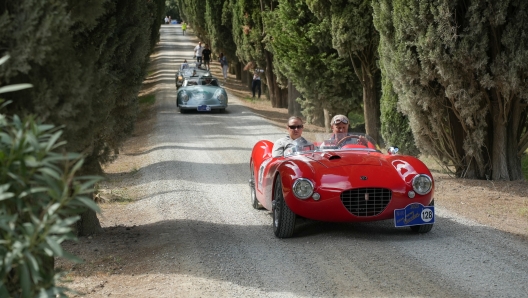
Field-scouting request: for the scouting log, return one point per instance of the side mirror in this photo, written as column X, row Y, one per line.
column 393, row 150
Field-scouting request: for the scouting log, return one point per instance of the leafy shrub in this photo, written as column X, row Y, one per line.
column 40, row 199
column 524, row 165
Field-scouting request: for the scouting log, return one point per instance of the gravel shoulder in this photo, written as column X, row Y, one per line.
column 178, row 222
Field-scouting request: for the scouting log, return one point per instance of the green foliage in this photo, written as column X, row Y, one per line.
column 172, row 10
column 40, row 199
column 524, row 165
column 457, row 69
column 147, row 100
column 302, row 50
column 356, row 120
column 353, row 35
column 395, row 127
column 248, row 33
column 86, row 60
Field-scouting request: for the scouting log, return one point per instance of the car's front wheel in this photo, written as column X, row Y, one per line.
column 423, row 228
column 283, row 217
column 254, row 201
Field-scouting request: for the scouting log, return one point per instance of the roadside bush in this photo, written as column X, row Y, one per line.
column 40, row 199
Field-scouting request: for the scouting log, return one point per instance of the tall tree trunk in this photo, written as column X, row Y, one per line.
column 499, row 163
column 274, row 94
column 294, row 108
column 280, row 95
column 513, row 136
column 318, row 117
column 238, row 70
column 89, row 224
column 327, row 119
column 371, row 105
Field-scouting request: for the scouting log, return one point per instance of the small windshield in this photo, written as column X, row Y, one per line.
column 347, row 141
column 190, row 83
column 299, row 148
column 209, row 82
column 331, row 142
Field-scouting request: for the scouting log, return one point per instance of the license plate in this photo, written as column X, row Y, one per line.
column 414, row 214
column 204, row 108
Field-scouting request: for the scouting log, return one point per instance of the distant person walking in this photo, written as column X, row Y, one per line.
column 198, row 53
column 256, row 85
column 184, row 27
column 206, row 54
column 166, row 19
column 170, row 20
column 224, row 65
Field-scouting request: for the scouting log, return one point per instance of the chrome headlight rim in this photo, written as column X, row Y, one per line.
column 299, row 191
column 184, row 97
column 221, row 98
column 417, row 184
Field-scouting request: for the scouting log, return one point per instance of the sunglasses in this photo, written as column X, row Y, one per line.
column 337, row 121
column 292, row 127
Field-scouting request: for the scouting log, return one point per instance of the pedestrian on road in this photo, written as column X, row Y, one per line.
column 224, row 65
column 206, row 54
column 170, row 20
column 198, row 53
column 166, row 19
column 256, row 85
column 184, row 27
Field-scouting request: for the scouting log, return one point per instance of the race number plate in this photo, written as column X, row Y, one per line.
column 414, row 214
column 204, row 108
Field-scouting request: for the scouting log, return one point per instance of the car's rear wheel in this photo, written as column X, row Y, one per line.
column 423, row 228
column 283, row 217
column 254, row 201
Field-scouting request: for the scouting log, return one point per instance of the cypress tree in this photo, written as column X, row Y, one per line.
column 458, row 68
column 301, row 44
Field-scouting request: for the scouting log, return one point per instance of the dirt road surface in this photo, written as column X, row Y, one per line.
column 183, row 225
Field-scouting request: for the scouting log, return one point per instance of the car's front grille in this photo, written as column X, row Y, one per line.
column 366, row 201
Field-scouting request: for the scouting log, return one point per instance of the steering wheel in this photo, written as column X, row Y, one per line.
column 343, row 140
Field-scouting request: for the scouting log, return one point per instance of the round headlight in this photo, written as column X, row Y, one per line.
column 185, row 97
column 221, row 97
column 422, row 184
column 302, row 188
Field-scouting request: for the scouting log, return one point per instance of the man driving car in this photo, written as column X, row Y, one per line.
column 340, row 125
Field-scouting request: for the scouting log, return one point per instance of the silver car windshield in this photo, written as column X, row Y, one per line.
column 331, row 142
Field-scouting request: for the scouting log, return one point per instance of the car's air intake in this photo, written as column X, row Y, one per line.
column 366, row 201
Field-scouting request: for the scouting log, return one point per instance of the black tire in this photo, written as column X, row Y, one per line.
column 254, row 201
column 183, row 111
column 283, row 217
column 422, row 229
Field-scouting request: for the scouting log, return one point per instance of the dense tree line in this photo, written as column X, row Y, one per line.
column 444, row 78
column 86, row 61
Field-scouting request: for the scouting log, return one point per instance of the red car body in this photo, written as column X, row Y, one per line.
column 352, row 185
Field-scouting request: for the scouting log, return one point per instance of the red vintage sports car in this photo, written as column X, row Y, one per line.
column 348, row 181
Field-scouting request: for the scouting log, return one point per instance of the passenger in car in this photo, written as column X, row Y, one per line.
column 295, row 127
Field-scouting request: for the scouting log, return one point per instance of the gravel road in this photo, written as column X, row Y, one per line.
column 196, row 234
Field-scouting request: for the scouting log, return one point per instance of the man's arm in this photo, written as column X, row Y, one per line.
column 278, row 149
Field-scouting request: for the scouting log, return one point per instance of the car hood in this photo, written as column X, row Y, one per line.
column 346, row 169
